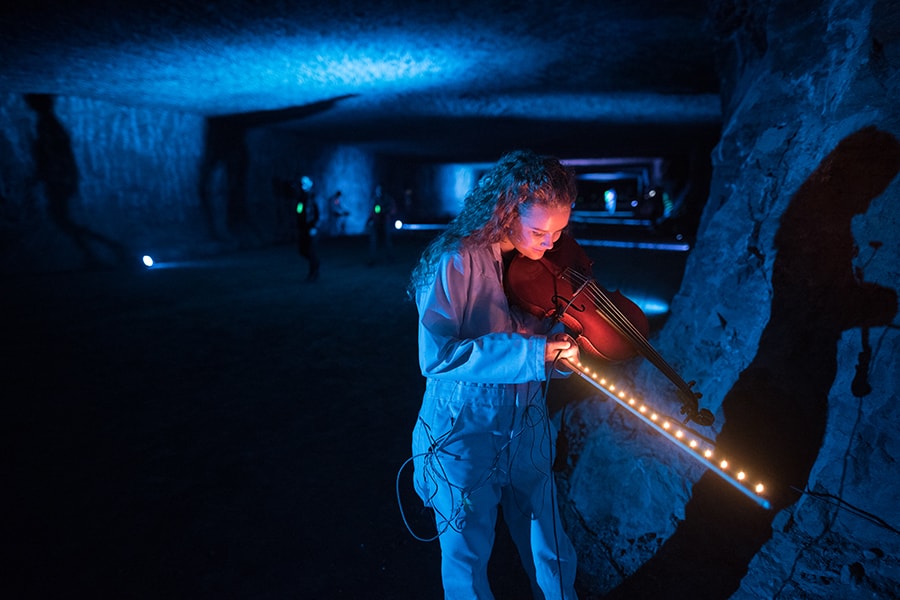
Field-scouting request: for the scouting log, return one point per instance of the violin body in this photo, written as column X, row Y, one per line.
column 560, row 286
column 605, row 324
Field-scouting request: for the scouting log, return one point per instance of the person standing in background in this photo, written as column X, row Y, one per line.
column 380, row 224
column 338, row 214
column 307, row 220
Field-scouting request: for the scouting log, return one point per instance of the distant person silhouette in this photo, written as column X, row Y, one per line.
column 307, row 219
column 408, row 211
column 56, row 168
column 338, row 214
column 379, row 224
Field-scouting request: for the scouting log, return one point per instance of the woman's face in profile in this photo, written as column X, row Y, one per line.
column 537, row 229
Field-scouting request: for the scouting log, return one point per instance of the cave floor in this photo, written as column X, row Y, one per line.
column 220, row 428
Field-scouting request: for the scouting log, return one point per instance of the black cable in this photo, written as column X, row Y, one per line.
column 434, row 447
column 403, row 512
column 843, row 504
column 553, row 504
column 553, row 496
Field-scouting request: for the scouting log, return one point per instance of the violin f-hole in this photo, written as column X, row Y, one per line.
column 562, row 305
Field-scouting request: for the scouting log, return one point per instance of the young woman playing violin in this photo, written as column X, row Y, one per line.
column 483, row 438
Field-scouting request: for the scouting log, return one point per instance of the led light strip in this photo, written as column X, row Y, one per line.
column 696, row 446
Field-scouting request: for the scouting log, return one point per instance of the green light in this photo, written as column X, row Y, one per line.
column 299, row 208
column 377, row 209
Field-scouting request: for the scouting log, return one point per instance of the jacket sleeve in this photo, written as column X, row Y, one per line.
column 446, row 352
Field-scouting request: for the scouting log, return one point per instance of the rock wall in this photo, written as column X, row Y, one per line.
column 90, row 184
column 787, row 319
column 86, row 183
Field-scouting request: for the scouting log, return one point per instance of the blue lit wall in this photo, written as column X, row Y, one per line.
column 279, row 158
column 92, row 183
column 173, row 185
column 353, row 172
column 453, row 182
column 87, row 182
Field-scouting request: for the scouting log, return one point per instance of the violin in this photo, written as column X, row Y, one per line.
column 605, row 324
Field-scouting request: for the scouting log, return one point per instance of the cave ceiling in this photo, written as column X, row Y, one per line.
column 449, row 80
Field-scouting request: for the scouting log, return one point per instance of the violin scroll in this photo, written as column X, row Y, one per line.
column 691, row 408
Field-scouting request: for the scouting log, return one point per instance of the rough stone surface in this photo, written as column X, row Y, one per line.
column 408, row 78
column 786, row 317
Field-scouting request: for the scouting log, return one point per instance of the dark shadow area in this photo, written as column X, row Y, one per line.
column 213, row 429
column 775, row 415
column 223, row 178
column 283, row 116
column 223, row 169
column 218, row 429
column 56, row 168
column 409, row 136
column 222, row 429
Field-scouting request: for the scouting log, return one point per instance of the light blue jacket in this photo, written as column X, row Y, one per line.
column 467, row 330
column 483, row 437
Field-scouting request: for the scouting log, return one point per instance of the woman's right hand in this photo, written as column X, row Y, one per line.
column 561, row 346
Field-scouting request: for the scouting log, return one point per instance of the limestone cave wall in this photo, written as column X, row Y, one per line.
column 787, row 319
column 90, row 184
column 86, row 183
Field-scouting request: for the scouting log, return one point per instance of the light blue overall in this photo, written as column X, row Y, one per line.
column 483, row 438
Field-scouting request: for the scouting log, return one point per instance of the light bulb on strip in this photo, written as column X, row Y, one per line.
column 679, row 434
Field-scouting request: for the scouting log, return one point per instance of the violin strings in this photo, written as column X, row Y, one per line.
column 624, row 326
column 610, row 311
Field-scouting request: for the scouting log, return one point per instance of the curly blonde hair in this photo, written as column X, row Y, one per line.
column 519, row 181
